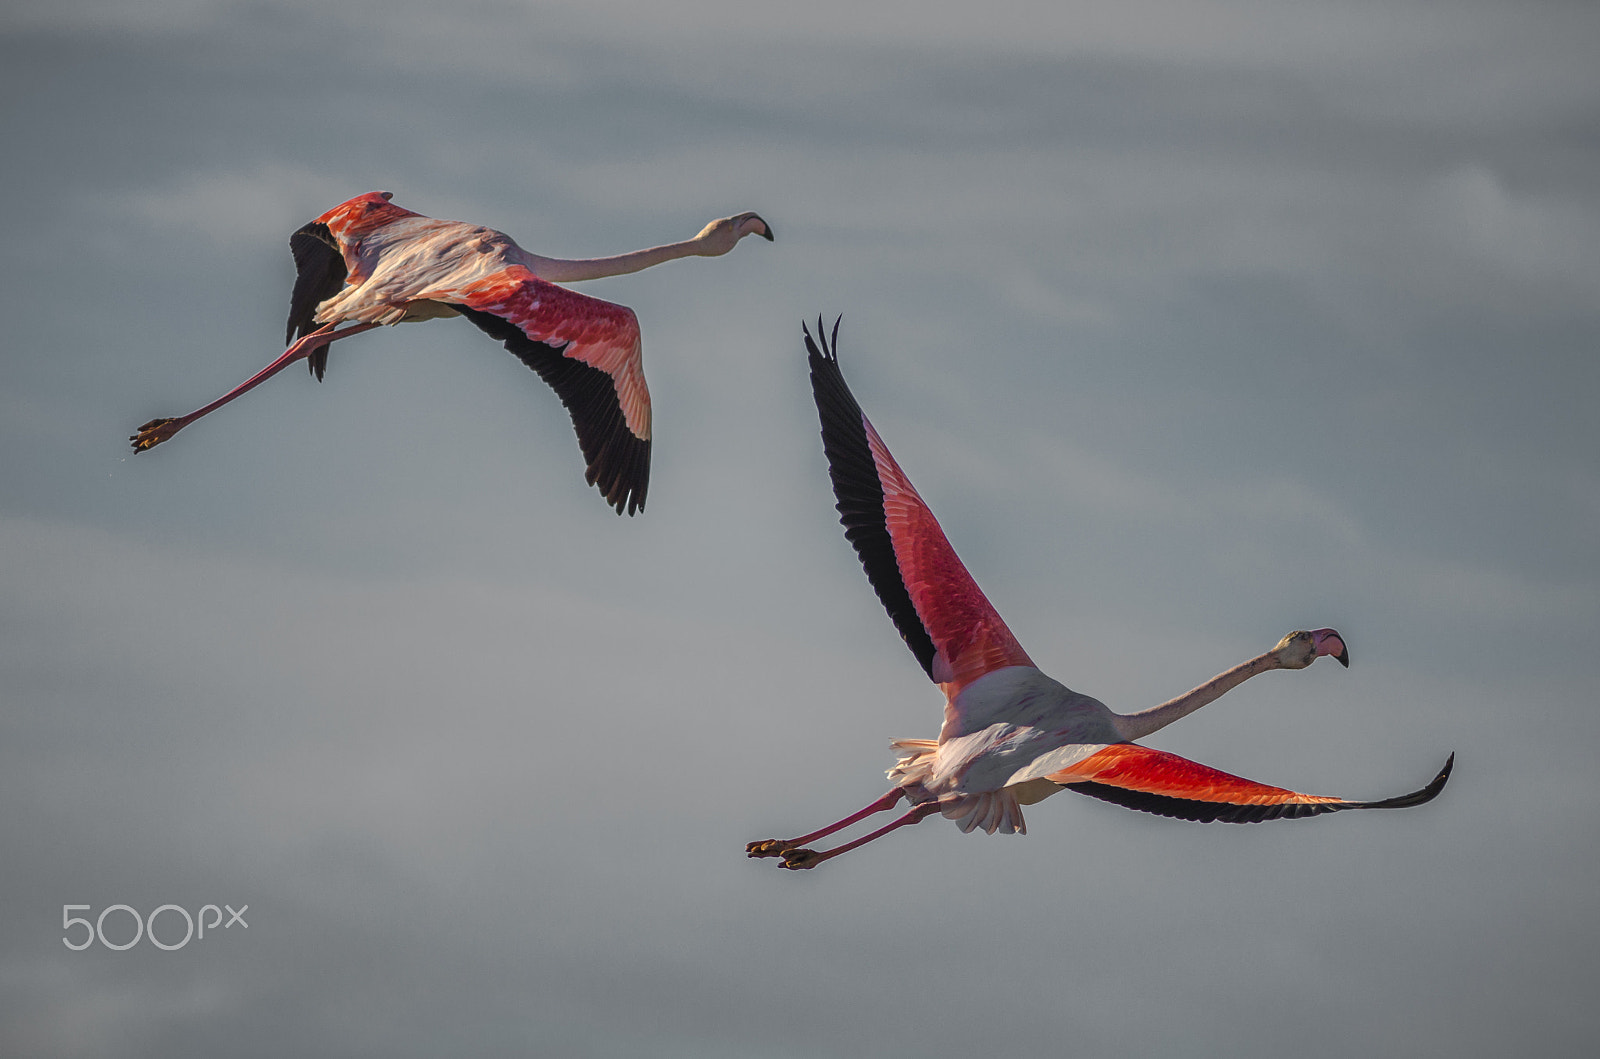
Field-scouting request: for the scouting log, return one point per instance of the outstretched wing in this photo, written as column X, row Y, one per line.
column 319, row 275
column 940, row 611
column 1154, row 781
column 588, row 351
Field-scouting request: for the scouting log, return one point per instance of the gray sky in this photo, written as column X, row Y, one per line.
column 1194, row 322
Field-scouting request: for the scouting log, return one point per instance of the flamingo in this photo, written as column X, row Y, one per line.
column 369, row 262
column 1011, row 735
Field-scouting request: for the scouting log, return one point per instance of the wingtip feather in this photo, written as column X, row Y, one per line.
column 821, row 347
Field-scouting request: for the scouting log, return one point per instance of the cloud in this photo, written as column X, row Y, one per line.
column 1194, row 322
column 237, row 206
column 1537, row 241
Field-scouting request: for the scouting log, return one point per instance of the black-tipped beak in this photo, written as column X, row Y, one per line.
column 1343, row 658
column 766, row 229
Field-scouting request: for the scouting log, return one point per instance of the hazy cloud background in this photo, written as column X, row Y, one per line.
column 1194, row 322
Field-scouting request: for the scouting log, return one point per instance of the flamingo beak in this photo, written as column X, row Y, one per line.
column 765, row 231
column 1328, row 642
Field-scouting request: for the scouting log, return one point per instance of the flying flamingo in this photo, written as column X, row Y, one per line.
column 1011, row 735
column 369, row 262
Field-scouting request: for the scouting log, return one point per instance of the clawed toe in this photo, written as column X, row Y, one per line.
column 793, row 859
column 154, row 433
column 798, row 859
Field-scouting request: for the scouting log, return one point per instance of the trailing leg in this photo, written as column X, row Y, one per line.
column 797, row 859
column 775, row 847
column 156, row 431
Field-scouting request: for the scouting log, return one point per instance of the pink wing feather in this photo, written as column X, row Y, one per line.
column 598, row 333
column 940, row 611
column 588, row 350
column 1158, row 782
column 969, row 636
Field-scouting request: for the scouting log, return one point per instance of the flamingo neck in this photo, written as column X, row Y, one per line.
column 1138, row 725
column 558, row 270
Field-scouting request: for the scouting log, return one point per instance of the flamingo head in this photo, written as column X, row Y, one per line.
column 1300, row 649
column 719, row 237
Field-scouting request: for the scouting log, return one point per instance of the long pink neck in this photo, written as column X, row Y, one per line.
column 557, row 270
column 1138, row 725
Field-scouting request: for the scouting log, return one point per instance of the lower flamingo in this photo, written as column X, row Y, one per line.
column 1012, row 736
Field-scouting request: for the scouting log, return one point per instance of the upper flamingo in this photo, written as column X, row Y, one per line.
column 369, row 262
column 1011, row 735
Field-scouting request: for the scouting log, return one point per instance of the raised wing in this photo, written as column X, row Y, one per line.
column 940, row 611
column 1154, row 781
column 319, row 275
column 588, row 351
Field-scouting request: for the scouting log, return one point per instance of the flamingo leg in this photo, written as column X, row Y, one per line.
column 797, row 859
column 775, row 847
column 156, row 431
